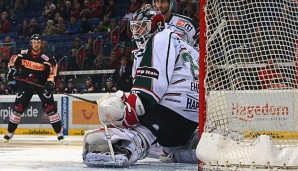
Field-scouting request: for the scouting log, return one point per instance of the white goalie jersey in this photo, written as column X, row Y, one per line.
column 166, row 73
column 184, row 27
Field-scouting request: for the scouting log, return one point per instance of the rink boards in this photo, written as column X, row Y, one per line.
column 76, row 115
column 242, row 107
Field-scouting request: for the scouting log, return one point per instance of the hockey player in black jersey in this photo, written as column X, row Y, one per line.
column 40, row 67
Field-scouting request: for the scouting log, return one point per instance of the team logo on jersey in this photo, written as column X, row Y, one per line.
column 173, row 100
column 147, row 72
column 45, row 57
column 184, row 24
column 33, row 65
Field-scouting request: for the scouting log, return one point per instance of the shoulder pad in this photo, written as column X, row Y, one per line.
column 186, row 18
column 24, row 51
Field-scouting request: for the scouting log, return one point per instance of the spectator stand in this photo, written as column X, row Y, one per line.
column 80, row 56
column 6, row 50
column 80, row 76
column 97, row 45
column 115, row 36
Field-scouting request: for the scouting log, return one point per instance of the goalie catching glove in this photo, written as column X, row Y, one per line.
column 121, row 110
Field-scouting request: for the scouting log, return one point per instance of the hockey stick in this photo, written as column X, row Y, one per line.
column 29, row 82
column 86, row 100
column 41, row 86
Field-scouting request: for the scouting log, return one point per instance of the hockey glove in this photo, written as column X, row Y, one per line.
column 134, row 108
column 12, row 72
column 120, row 110
column 49, row 86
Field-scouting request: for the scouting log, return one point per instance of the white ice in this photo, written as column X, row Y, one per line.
column 44, row 153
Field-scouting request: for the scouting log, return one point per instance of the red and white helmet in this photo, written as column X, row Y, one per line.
column 146, row 22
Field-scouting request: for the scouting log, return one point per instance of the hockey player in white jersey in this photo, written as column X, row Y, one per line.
column 162, row 106
column 184, row 26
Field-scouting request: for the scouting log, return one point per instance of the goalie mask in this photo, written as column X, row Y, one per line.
column 146, row 22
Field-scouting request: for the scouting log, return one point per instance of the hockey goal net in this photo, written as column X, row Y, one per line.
column 250, row 103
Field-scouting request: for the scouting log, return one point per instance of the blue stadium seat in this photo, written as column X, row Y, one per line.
column 106, row 49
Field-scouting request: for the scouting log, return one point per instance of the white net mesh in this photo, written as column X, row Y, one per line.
column 251, row 66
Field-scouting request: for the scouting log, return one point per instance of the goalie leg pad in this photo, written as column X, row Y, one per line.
column 181, row 154
column 129, row 146
column 178, row 155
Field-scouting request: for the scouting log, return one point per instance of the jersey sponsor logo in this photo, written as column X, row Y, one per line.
column 33, row 65
column 180, row 34
column 192, row 103
column 24, row 51
column 173, row 100
column 45, row 57
column 194, row 87
column 147, row 72
column 184, row 24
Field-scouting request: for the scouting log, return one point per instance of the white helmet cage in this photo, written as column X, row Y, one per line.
column 146, row 22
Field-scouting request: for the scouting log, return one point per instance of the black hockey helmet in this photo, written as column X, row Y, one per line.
column 72, row 81
column 89, row 79
column 62, row 81
column 35, row 37
column 109, row 80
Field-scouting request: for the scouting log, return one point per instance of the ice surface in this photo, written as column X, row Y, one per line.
column 44, row 153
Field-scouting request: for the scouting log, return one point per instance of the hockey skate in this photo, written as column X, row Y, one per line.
column 60, row 137
column 8, row 137
column 181, row 154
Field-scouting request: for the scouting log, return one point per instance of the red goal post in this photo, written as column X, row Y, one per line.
column 248, row 108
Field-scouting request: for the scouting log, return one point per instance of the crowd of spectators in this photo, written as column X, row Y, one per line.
column 74, row 17
column 86, row 17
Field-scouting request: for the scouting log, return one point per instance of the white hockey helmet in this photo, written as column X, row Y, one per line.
column 146, row 22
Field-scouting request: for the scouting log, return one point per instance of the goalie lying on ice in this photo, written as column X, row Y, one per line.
column 163, row 104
